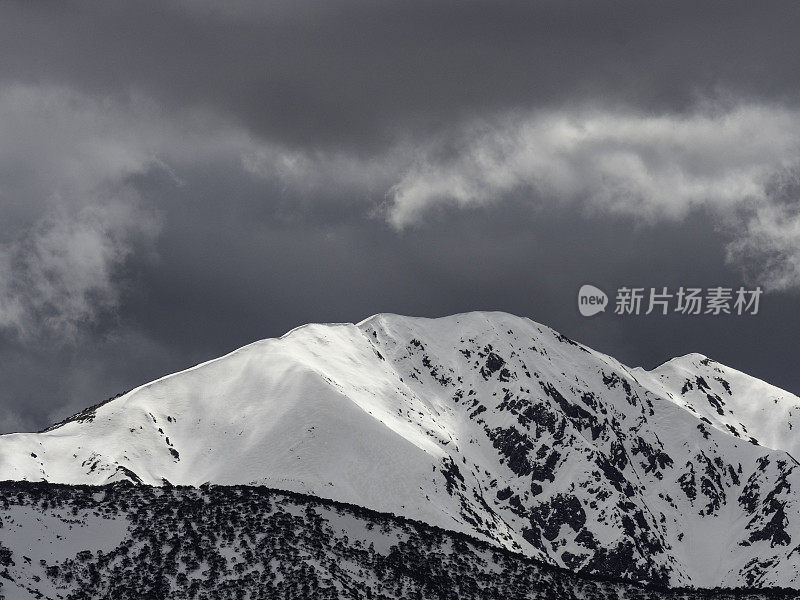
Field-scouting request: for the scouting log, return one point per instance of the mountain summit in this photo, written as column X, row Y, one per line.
column 482, row 423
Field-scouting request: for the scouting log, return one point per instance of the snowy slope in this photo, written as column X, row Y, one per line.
column 733, row 401
column 483, row 423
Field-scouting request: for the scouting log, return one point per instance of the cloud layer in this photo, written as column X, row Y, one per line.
column 77, row 218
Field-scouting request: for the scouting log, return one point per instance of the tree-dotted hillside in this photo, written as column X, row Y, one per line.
column 215, row 543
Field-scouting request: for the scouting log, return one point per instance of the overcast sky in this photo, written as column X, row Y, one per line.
column 178, row 179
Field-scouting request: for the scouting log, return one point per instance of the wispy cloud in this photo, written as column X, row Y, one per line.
column 63, row 272
column 68, row 220
column 767, row 244
column 649, row 167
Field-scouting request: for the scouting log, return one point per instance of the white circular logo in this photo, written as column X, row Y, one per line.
column 591, row 300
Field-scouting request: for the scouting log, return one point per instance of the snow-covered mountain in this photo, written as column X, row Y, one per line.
column 482, row 423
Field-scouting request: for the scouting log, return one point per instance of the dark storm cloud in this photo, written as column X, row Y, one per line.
column 178, row 179
column 355, row 74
